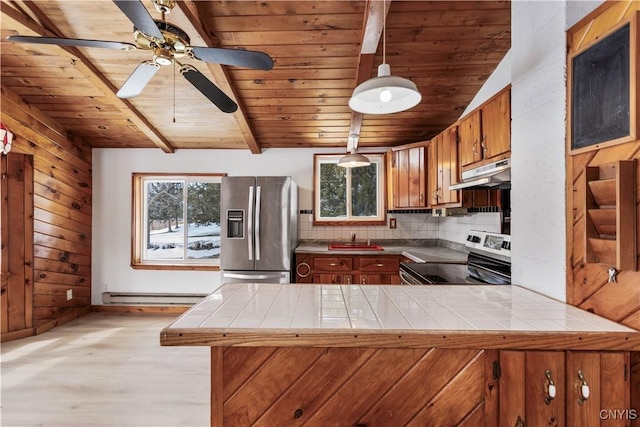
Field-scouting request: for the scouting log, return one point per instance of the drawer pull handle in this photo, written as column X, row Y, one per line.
column 584, row 388
column 379, row 264
column 333, row 264
column 550, row 388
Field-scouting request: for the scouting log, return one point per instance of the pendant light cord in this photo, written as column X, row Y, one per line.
column 384, row 31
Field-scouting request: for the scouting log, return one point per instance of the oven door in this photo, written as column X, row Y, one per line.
column 418, row 273
column 406, row 278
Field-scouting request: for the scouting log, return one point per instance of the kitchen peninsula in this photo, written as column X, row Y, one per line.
column 313, row 355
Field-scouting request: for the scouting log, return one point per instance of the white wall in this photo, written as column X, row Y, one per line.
column 538, row 146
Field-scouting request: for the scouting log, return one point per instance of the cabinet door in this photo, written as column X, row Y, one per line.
column 470, row 134
column 542, row 369
column 512, row 386
column 448, row 165
column 496, row 125
column 606, row 376
column 391, row 179
column 402, row 178
column 409, row 180
column 524, row 388
column 416, row 177
column 333, row 279
column 432, row 172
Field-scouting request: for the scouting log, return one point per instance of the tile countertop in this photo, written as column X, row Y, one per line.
column 449, row 316
column 416, row 252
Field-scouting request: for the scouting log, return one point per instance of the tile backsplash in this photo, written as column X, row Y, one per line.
column 409, row 226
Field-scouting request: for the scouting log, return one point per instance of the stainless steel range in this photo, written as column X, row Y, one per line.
column 488, row 262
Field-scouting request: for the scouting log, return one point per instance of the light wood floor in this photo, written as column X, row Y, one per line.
column 104, row 369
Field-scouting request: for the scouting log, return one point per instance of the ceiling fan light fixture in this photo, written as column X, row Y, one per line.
column 162, row 56
column 354, row 160
column 385, row 94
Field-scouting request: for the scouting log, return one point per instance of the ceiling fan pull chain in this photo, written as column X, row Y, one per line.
column 174, row 86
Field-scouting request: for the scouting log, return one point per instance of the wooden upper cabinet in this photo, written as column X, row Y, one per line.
column 408, row 177
column 485, row 134
column 496, row 125
column 443, row 168
column 470, row 136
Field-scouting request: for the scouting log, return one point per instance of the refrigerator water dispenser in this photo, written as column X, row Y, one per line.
column 235, row 224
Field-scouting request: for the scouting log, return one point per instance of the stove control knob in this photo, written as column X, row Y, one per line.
column 506, row 245
column 473, row 239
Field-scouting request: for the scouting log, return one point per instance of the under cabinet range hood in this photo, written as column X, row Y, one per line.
column 496, row 174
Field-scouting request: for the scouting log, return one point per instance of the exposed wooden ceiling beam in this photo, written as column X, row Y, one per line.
column 222, row 80
column 82, row 63
column 372, row 29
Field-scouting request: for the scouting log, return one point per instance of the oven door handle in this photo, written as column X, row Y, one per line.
column 408, row 279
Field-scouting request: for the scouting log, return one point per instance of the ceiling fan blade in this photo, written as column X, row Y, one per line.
column 242, row 58
column 72, row 42
column 139, row 15
column 208, row 89
column 138, row 80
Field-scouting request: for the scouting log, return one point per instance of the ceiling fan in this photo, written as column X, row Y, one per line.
column 168, row 44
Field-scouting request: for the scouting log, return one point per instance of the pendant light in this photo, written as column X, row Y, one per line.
column 385, row 94
column 353, row 160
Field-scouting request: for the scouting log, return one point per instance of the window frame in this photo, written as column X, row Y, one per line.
column 380, row 219
column 138, row 229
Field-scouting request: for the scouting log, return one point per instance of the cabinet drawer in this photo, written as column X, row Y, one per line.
column 332, row 263
column 389, row 263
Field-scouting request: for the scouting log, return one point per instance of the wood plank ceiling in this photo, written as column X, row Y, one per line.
column 448, row 48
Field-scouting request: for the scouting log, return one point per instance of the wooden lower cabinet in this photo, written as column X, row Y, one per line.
column 565, row 388
column 360, row 386
column 348, row 269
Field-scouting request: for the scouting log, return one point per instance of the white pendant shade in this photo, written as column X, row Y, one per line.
column 354, row 160
column 385, row 94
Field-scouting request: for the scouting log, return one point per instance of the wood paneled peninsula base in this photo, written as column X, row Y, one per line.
column 439, row 355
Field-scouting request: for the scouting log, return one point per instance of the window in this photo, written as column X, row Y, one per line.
column 348, row 195
column 176, row 221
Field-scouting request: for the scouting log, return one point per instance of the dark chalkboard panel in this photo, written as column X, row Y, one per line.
column 600, row 93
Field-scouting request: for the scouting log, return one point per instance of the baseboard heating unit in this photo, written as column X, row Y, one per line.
column 136, row 298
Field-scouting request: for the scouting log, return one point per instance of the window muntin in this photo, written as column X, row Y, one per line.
column 353, row 195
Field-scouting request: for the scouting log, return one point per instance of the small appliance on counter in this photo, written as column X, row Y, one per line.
column 488, row 262
column 259, row 229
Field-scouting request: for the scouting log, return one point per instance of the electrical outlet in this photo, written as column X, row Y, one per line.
column 69, row 294
column 392, row 223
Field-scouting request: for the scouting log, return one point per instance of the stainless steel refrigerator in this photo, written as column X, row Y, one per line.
column 259, row 228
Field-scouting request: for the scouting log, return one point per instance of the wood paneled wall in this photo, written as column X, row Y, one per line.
column 588, row 284
column 61, row 212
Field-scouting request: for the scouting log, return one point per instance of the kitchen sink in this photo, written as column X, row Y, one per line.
column 356, row 246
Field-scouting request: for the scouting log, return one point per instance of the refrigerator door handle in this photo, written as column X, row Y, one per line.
column 257, row 227
column 250, row 224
